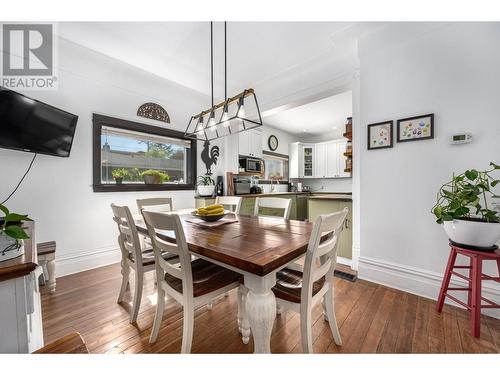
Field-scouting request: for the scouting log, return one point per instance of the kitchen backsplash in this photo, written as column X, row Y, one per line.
column 341, row 185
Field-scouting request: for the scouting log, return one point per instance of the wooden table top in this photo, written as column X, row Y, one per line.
column 24, row 264
column 257, row 245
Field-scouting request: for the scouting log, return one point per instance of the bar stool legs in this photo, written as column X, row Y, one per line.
column 474, row 283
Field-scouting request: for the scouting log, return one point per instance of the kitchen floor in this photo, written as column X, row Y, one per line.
column 372, row 319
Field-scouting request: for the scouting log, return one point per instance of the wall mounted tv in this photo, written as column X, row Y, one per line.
column 30, row 125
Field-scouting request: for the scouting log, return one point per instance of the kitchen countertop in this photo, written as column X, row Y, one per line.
column 312, row 195
column 332, row 197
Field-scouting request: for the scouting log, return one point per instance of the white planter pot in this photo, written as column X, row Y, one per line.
column 206, row 190
column 6, row 242
column 472, row 233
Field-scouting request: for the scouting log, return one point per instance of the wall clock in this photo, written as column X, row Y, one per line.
column 272, row 142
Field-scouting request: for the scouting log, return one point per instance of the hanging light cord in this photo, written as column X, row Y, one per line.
column 212, row 60
column 22, row 179
column 225, row 60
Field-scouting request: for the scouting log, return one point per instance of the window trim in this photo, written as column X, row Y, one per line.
column 101, row 120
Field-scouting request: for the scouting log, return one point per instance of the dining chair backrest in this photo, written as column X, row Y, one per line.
column 233, row 204
column 128, row 238
column 155, row 204
column 157, row 221
column 273, row 203
column 321, row 255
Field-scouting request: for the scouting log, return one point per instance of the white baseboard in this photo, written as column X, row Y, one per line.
column 418, row 281
column 69, row 264
column 344, row 261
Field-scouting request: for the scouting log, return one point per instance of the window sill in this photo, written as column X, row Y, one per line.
column 109, row 188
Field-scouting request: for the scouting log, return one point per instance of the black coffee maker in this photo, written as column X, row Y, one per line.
column 219, row 188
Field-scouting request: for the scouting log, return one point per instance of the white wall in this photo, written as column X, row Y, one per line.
column 284, row 138
column 453, row 72
column 57, row 193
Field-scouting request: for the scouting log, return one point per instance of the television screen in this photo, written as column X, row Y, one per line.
column 29, row 125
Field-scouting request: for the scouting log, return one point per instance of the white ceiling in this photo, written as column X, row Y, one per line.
column 180, row 51
column 319, row 118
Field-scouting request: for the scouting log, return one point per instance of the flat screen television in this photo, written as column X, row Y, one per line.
column 30, row 125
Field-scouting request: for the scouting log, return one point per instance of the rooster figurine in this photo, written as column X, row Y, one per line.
column 209, row 156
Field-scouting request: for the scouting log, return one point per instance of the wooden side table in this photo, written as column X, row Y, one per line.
column 476, row 276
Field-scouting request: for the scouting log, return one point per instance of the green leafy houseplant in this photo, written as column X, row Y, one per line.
column 10, row 227
column 153, row 176
column 206, row 180
column 119, row 174
column 465, row 197
column 206, row 186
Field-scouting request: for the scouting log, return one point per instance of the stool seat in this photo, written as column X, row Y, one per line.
column 474, row 279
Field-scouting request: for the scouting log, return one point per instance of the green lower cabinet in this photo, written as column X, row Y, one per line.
column 323, row 206
column 298, row 211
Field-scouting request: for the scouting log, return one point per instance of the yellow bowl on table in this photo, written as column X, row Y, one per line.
column 213, row 212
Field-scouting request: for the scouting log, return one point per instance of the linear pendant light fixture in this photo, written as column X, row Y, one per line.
column 228, row 117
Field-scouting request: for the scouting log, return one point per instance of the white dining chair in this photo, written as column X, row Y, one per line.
column 299, row 288
column 191, row 283
column 233, row 204
column 133, row 256
column 273, row 203
column 162, row 204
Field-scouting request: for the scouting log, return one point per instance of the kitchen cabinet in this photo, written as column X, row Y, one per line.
column 250, row 143
column 326, row 206
column 319, row 160
column 298, row 211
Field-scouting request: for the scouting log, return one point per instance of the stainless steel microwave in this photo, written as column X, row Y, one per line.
column 251, row 165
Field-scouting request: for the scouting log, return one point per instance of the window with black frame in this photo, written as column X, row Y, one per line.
column 132, row 156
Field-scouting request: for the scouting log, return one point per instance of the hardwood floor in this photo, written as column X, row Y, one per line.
column 372, row 319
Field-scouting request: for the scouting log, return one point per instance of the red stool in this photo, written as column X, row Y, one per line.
column 476, row 275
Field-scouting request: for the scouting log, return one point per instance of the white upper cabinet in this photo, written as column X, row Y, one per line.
column 250, row 143
column 319, row 160
column 332, row 160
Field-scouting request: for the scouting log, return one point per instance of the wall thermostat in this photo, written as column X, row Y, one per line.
column 460, row 139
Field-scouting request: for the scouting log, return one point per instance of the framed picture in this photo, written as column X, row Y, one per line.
column 380, row 135
column 416, row 128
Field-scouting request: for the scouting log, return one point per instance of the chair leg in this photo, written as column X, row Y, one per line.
column 329, row 305
column 279, row 309
column 187, row 331
column 160, row 306
column 137, row 296
column 125, row 280
column 51, row 270
column 306, row 329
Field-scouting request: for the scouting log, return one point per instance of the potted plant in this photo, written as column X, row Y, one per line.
column 464, row 208
column 11, row 234
column 152, row 176
column 206, row 186
column 119, row 174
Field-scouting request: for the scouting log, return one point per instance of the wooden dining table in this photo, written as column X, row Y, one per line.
column 257, row 248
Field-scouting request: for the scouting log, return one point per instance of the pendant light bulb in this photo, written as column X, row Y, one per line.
column 225, row 117
column 241, row 108
column 211, row 121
